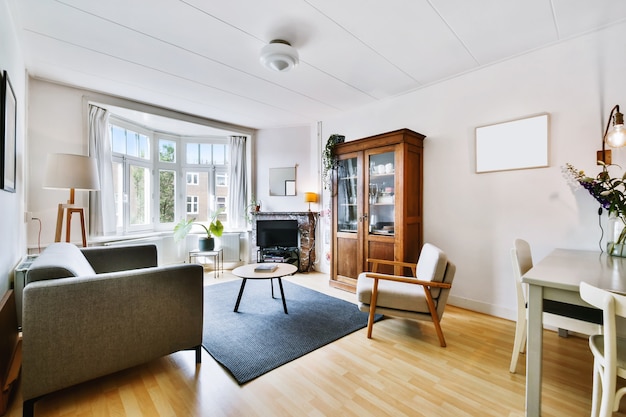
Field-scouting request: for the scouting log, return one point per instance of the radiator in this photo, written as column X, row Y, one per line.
column 230, row 243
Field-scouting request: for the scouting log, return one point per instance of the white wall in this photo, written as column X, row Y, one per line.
column 55, row 124
column 282, row 148
column 288, row 147
column 475, row 217
column 12, row 244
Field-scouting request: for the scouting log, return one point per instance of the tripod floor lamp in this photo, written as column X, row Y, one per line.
column 73, row 172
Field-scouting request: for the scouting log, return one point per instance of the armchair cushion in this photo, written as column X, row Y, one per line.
column 392, row 294
column 432, row 264
column 59, row 260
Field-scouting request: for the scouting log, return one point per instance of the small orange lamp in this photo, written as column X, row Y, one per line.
column 310, row 198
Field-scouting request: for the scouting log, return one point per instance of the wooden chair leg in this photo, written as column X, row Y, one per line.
column 370, row 320
column 435, row 317
column 442, row 341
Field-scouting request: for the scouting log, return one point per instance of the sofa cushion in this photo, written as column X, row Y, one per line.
column 59, row 260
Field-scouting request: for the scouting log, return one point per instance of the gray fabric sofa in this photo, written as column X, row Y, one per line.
column 94, row 311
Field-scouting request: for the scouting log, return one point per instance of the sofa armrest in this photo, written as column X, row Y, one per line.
column 121, row 258
column 77, row 329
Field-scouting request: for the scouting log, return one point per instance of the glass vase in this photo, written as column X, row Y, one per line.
column 615, row 245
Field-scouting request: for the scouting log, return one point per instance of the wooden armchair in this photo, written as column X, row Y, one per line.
column 422, row 296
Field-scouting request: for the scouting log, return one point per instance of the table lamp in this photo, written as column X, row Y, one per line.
column 73, row 172
column 310, row 198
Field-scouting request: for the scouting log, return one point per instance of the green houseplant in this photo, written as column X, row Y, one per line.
column 206, row 243
column 253, row 207
column 329, row 160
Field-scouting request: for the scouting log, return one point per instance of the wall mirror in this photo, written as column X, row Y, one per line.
column 518, row 144
column 283, row 181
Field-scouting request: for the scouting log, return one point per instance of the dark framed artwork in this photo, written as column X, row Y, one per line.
column 8, row 130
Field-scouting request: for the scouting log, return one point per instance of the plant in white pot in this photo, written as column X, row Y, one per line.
column 205, row 243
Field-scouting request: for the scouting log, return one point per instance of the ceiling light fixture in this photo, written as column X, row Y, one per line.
column 615, row 137
column 279, row 55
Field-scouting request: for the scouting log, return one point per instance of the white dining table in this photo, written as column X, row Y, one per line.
column 557, row 278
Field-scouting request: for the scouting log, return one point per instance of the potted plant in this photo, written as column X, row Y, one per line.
column 206, row 243
column 253, row 207
column 329, row 160
column 610, row 192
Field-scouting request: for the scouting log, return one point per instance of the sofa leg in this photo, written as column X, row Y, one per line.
column 28, row 408
column 199, row 354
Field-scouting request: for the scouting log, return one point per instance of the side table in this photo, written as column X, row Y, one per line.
column 217, row 255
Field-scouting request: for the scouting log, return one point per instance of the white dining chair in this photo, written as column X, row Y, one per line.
column 609, row 351
column 521, row 258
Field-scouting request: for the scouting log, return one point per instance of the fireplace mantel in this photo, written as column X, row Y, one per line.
column 307, row 221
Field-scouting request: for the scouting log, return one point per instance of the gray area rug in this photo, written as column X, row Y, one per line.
column 260, row 336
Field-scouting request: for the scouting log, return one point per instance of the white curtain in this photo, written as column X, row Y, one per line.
column 238, row 186
column 101, row 203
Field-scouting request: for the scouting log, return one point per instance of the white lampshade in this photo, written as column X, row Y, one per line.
column 68, row 171
column 279, row 55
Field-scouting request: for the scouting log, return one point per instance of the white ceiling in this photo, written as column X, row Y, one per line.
column 202, row 56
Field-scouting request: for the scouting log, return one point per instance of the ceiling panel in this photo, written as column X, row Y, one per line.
column 578, row 16
column 499, row 29
column 202, row 57
column 417, row 40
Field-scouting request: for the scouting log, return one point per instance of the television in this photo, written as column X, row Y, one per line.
column 277, row 233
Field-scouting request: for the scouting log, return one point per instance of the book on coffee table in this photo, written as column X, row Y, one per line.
column 266, row 268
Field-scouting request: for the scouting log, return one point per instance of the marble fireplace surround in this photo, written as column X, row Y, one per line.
column 307, row 221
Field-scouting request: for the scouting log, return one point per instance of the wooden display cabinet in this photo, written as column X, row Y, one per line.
column 377, row 204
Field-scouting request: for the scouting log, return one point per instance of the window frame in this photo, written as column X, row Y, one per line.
column 155, row 166
column 126, row 161
column 195, row 202
column 213, row 170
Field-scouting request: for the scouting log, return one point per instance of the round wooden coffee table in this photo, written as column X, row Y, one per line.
column 248, row 272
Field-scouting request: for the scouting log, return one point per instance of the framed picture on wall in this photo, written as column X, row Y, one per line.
column 8, row 130
column 517, row 144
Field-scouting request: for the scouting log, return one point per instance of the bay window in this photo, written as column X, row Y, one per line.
column 160, row 178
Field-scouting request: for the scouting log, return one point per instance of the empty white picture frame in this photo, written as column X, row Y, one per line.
column 283, row 181
column 518, row 144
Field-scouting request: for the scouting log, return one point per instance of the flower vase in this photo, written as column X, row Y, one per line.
column 616, row 239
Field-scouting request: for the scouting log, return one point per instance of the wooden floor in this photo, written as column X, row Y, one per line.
column 402, row 371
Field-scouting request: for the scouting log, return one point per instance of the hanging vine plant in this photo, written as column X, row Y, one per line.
column 329, row 160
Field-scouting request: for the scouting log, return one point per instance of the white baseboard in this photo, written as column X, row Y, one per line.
column 484, row 308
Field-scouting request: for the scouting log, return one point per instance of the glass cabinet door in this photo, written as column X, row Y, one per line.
column 347, row 195
column 381, row 201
